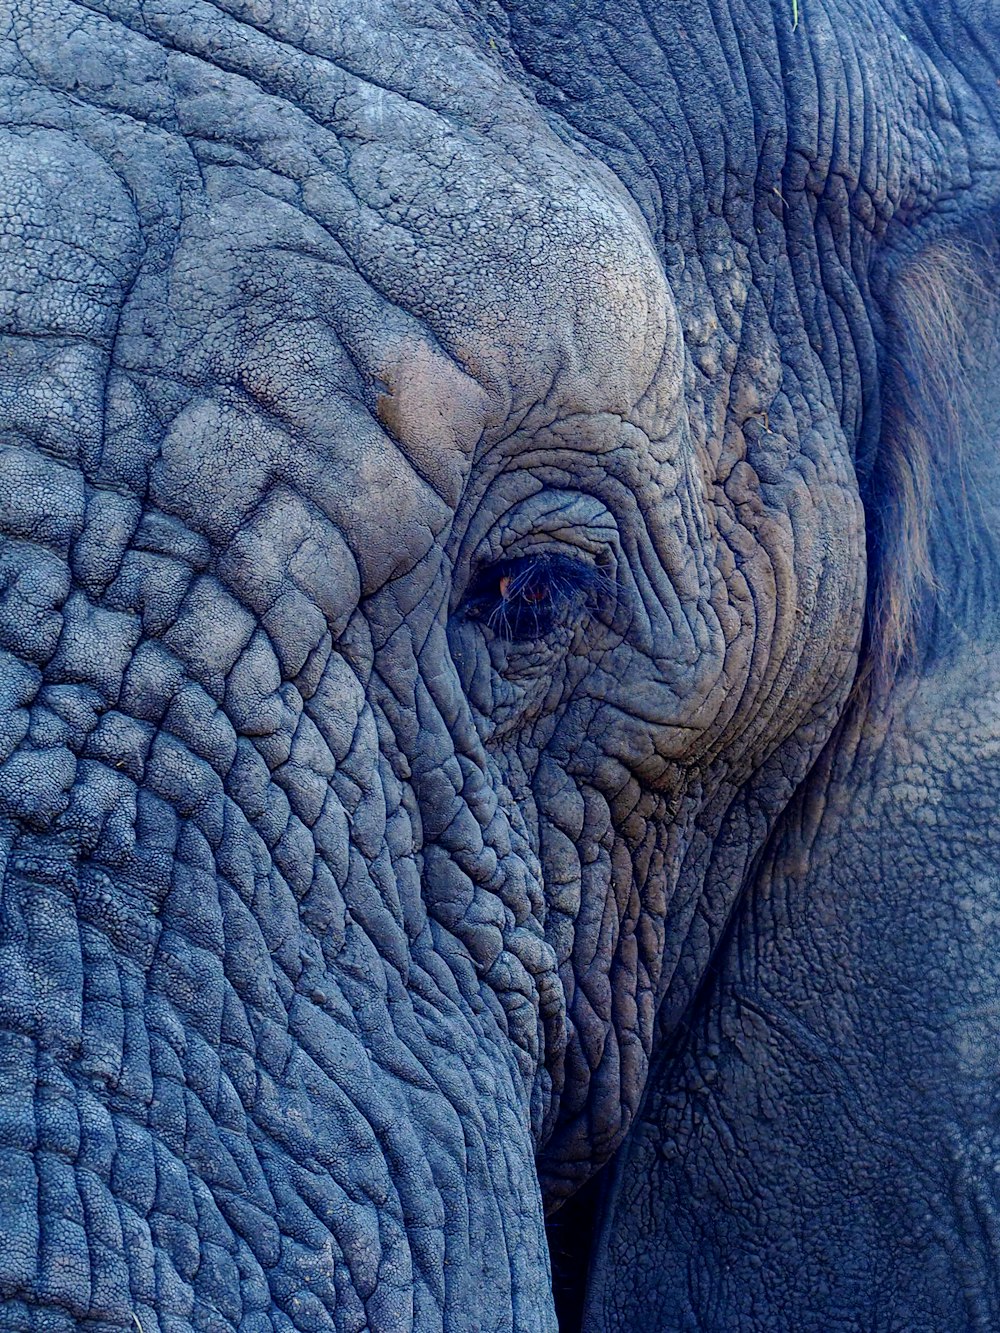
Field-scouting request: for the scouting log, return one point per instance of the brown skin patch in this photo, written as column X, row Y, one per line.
column 428, row 405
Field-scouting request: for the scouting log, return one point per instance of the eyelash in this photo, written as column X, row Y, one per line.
column 526, row 599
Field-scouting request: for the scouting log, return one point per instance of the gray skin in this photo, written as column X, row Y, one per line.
column 454, row 465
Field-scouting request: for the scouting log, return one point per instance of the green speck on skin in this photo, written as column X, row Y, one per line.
column 795, row 14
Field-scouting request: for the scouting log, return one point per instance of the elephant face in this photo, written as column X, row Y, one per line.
column 417, row 611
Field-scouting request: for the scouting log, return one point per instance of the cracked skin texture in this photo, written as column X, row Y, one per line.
column 336, row 916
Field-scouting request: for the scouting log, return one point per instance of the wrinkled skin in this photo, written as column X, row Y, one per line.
column 447, row 482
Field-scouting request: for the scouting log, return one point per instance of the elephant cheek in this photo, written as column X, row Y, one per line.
column 247, row 1058
column 249, row 1077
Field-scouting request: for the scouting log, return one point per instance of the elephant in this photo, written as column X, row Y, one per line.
column 499, row 732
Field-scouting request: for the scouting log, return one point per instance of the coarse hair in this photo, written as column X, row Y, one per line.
column 927, row 406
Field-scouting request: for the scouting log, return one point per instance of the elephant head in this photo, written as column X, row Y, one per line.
column 433, row 444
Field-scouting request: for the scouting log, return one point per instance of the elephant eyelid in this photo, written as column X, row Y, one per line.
column 524, row 599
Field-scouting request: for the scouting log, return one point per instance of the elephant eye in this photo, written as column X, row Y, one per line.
column 526, row 599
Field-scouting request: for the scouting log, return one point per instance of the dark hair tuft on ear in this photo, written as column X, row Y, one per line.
column 926, row 406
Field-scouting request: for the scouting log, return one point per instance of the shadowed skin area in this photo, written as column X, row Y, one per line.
column 818, row 1145
column 434, row 556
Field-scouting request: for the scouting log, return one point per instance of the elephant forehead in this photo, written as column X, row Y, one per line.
column 543, row 285
column 475, row 262
column 356, row 390
column 362, row 278
column 300, row 377
column 535, row 273
column 437, row 179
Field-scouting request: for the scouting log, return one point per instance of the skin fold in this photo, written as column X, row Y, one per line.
column 495, row 661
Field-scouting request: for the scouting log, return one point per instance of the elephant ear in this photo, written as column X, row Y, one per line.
column 934, row 467
column 818, row 1146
